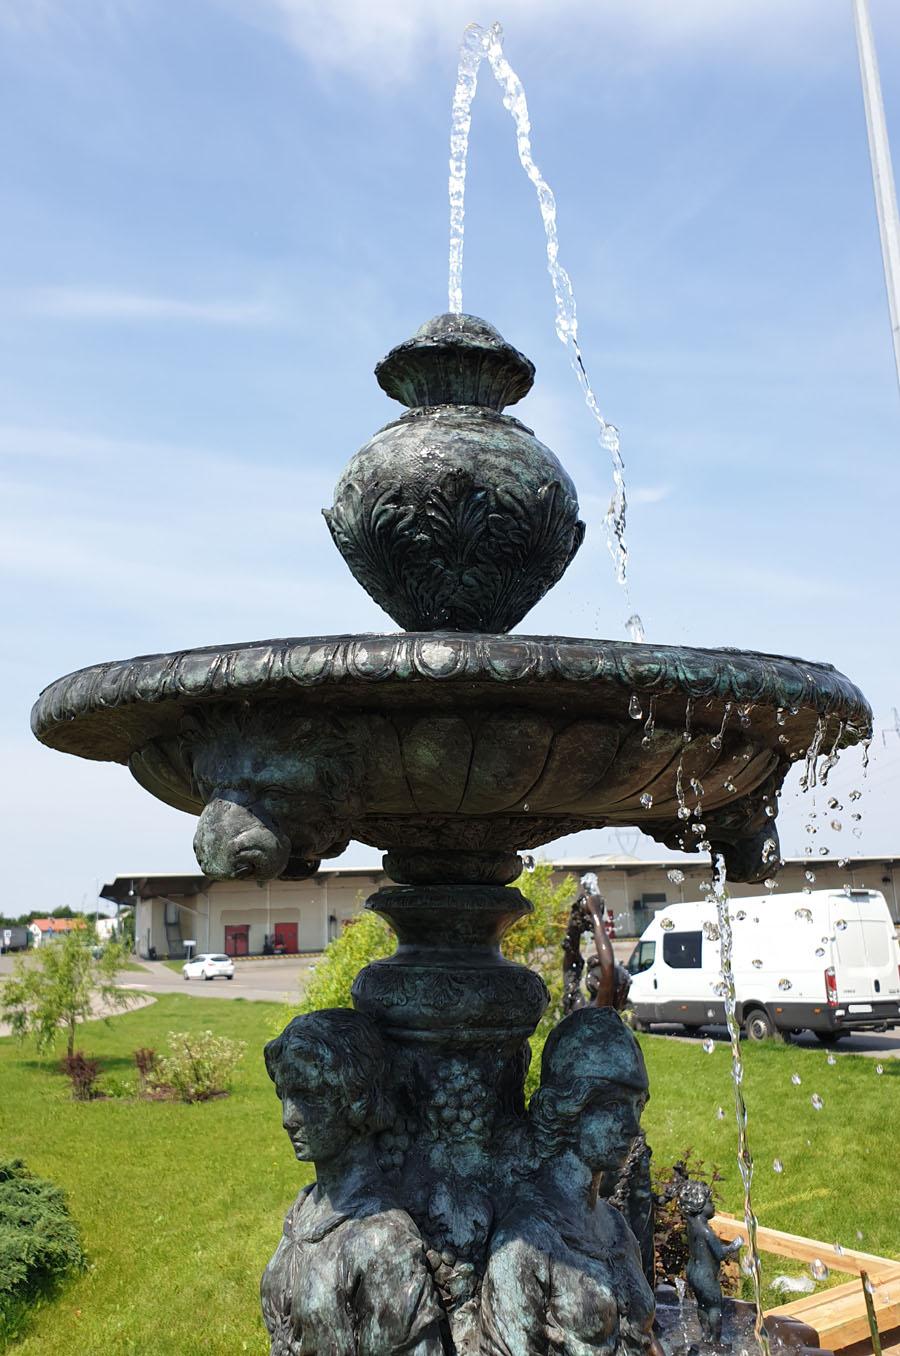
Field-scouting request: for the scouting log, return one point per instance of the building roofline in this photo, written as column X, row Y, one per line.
column 149, row 884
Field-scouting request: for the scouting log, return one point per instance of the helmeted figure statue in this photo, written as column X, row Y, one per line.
column 707, row 1253
column 564, row 1271
column 349, row 1276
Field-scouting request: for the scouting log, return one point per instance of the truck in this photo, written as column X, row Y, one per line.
column 14, row 938
column 827, row 961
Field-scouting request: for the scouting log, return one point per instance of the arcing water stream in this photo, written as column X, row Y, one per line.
column 745, row 1159
column 477, row 44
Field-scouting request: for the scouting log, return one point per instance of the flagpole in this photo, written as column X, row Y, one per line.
column 882, row 173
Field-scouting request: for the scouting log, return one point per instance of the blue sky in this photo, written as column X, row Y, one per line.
column 218, row 215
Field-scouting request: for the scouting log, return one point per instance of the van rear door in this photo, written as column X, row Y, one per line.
column 865, row 952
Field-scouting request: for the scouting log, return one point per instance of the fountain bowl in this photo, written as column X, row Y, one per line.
column 456, row 751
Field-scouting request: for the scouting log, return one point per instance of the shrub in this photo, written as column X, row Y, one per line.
column 145, row 1061
column 82, row 1073
column 365, row 939
column 113, row 1085
column 198, row 1065
column 39, row 1242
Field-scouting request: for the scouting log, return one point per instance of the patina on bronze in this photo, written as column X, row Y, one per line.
column 452, row 747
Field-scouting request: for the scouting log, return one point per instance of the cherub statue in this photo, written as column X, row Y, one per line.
column 349, row 1276
column 707, row 1253
column 564, row 1271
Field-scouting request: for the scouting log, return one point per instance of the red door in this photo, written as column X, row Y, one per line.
column 286, row 936
column 237, row 939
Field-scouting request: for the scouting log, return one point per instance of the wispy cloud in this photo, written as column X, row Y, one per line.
column 385, row 42
column 80, row 303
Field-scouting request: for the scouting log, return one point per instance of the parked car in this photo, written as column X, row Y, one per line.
column 209, row 965
column 827, row 962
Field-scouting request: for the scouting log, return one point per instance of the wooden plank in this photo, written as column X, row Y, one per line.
column 839, row 1315
column 805, row 1249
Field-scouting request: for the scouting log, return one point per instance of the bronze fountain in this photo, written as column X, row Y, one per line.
column 447, row 1218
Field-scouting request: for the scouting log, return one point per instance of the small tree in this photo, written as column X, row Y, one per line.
column 60, row 985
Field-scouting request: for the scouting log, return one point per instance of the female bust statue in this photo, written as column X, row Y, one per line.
column 349, row 1276
column 564, row 1271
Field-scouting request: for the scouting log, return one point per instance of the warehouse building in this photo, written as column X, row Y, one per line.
column 244, row 919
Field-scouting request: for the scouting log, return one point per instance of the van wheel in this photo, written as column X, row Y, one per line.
column 828, row 1037
column 759, row 1026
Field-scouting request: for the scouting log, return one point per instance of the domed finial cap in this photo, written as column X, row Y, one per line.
column 456, row 360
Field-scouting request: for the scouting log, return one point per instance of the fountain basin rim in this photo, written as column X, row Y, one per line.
column 107, row 711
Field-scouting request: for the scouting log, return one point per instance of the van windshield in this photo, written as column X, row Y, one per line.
column 641, row 958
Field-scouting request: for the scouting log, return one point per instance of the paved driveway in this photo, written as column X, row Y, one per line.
column 273, row 980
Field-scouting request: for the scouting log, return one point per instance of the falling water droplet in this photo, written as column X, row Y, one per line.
column 667, row 924
column 859, row 1235
column 635, row 628
column 824, row 851
column 810, row 876
column 771, row 811
column 838, row 1249
column 646, row 800
column 684, row 812
column 649, row 723
column 526, row 806
column 819, row 1269
column 709, row 1045
column 804, row 915
column 856, row 816
column 704, row 887
column 855, row 795
column 635, row 709
column 820, row 951
column 879, row 1068
column 697, row 787
column 817, row 1102
column 833, row 803
column 688, row 716
column 720, row 989
column 836, row 825
column 843, row 861
column 770, row 883
column 742, row 913
column 675, row 876
column 777, row 1165
column 711, row 932
column 757, row 964
column 840, row 925
column 784, row 985
column 729, row 786
column 796, row 1080
column 832, row 1059
column 720, row 1113
column 528, row 862
column 779, row 716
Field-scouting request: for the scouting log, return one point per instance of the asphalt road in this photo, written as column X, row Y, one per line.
column 273, row 980
column 278, row 980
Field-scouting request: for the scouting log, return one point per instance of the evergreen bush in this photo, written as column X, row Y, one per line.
column 39, row 1243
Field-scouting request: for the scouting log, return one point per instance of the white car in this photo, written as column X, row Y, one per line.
column 209, row 965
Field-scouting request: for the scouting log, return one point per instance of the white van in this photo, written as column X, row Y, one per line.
column 828, row 962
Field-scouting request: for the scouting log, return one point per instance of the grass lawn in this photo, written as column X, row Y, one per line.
column 181, row 1206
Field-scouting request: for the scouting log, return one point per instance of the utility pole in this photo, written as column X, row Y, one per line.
column 882, row 172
